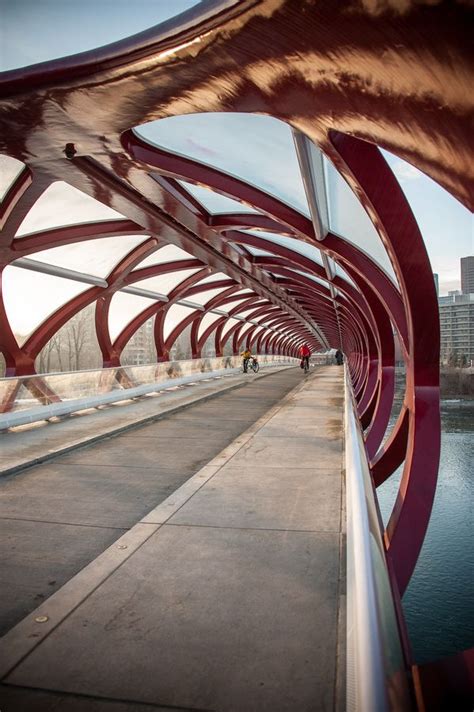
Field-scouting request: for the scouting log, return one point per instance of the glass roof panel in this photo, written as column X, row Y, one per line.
column 30, row 297
column 246, row 328
column 439, row 215
column 61, row 204
column 165, row 283
column 213, row 278
column 215, row 202
column 257, row 331
column 123, row 308
column 249, row 146
column 230, row 305
column 10, row 168
column 343, row 274
column 35, row 32
column 206, row 321
column 167, row 253
column 95, row 257
column 245, row 312
column 348, row 219
column 256, row 252
column 204, row 297
column 228, row 326
column 302, row 248
column 174, row 316
column 312, row 277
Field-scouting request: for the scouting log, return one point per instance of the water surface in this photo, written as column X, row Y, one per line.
column 439, row 601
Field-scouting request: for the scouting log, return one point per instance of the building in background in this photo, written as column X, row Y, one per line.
column 456, row 317
column 141, row 347
column 467, row 274
column 436, row 281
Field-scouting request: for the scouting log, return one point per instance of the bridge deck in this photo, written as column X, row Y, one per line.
column 228, row 595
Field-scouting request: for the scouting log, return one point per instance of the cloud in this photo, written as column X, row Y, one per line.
column 199, row 148
column 405, row 171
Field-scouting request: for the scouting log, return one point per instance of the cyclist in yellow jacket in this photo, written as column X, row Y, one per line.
column 246, row 356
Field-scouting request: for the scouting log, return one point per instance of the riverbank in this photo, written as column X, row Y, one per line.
column 457, row 382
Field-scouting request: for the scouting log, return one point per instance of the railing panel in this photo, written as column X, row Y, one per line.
column 29, row 399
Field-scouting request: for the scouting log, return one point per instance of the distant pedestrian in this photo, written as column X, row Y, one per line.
column 305, row 353
column 246, row 356
column 339, row 357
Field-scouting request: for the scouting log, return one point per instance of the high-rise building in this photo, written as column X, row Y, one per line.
column 436, row 281
column 467, row 274
column 456, row 317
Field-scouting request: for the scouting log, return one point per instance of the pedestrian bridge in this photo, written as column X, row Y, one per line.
column 181, row 535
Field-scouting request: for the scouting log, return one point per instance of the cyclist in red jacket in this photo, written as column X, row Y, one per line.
column 305, row 353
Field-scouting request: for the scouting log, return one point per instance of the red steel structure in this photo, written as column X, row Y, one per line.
column 349, row 79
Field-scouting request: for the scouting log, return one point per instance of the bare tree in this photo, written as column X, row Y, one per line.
column 77, row 335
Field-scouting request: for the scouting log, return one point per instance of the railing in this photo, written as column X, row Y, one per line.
column 376, row 670
column 322, row 359
column 28, row 399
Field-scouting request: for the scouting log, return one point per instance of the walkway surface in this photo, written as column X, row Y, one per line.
column 228, row 596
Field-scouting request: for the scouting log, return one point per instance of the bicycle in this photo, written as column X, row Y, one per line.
column 253, row 364
column 305, row 364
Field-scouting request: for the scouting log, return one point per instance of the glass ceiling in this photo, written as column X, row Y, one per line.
column 348, row 218
column 165, row 283
column 215, row 203
column 174, row 316
column 302, row 248
column 247, row 311
column 206, row 321
column 245, row 329
column 228, row 325
column 95, row 257
column 167, row 253
column 252, row 147
column 203, row 298
column 123, row 309
column 60, row 205
column 213, row 278
column 29, row 301
column 230, row 305
column 10, row 168
column 249, row 146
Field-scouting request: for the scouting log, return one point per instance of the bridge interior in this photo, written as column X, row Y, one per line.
column 227, row 595
column 225, row 180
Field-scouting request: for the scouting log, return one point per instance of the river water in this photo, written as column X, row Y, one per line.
column 439, row 601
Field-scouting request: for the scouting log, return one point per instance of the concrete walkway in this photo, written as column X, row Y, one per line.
column 228, row 596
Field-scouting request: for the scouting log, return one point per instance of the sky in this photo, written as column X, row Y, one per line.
column 33, row 31
column 255, row 148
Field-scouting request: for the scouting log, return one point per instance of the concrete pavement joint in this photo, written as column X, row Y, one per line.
column 63, row 524
column 252, row 529
column 114, row 700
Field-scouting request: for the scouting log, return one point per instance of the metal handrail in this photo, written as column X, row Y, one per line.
column 376, row 670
